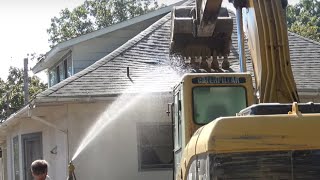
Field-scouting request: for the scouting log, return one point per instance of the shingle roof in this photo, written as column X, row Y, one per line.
column 305, row 61
column 107, row 76
column 150, row 49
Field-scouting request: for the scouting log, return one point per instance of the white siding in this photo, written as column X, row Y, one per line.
column 50, row 138
column 112, row 155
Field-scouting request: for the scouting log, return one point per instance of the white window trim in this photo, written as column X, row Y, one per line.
column 61, row 61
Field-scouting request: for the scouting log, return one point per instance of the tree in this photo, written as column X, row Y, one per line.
column 11, row 91
column 93, row 15
column 304, row 19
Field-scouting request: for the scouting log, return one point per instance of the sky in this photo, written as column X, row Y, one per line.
column 23, row 29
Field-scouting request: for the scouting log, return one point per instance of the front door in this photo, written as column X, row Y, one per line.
column 32, row 150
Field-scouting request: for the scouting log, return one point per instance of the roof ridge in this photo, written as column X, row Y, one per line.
column 305, row 38
column 109, row 56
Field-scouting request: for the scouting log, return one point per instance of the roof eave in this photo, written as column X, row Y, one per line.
column 14, row 118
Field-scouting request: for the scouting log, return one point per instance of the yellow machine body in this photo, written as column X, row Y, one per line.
column 223, row 145
column 217, row 81
column 247, row 134
column 200, row 98
column 269, row 48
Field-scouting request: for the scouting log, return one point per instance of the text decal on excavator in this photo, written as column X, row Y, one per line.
column 218, row 80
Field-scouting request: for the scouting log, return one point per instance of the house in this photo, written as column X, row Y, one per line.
column 124, row 85
column 52, row 128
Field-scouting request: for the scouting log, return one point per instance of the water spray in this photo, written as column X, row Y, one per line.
column 129, row 97
column 71, row 168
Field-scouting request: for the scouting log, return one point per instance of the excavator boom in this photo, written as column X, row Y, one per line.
column 269, row 47
column 205, row 31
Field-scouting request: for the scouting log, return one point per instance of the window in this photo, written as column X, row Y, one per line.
column 31, row 145
column 16, row 166
column 155, row 146
column 52, row 77
column 275, row 165
column 69, row 66
column 58, row 73
column 61, row 71
column 178, row 131
column 65, row 69
column 177, row 122
column 210, row 103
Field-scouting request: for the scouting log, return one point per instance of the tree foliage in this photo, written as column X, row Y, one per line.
column 11, row 91
column 93, row 15
column 304, row 19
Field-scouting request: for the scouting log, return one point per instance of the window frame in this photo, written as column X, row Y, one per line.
column 61, row 65
column 158, row 167
column 27, row 137
column 15, row 142
column 177, row 122
column 193, row 113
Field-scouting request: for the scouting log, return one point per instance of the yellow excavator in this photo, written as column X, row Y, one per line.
column 223, row 127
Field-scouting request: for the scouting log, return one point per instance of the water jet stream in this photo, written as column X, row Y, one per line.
column 155, row 81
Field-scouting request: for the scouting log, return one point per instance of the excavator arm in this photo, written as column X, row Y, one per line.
column 205, row 31
column 269, row 48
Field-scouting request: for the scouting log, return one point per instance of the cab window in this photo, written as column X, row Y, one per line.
column 210, row 103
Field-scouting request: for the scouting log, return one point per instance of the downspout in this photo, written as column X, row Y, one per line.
column 68, row 149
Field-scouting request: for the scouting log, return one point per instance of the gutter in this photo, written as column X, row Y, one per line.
column 110, row 97
column 13, row 118
column 312, row 92
column 74, row 99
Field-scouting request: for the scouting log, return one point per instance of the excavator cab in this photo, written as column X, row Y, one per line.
column 200, row 98
column 211, row 139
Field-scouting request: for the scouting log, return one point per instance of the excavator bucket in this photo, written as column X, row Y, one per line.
column 201, row 30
